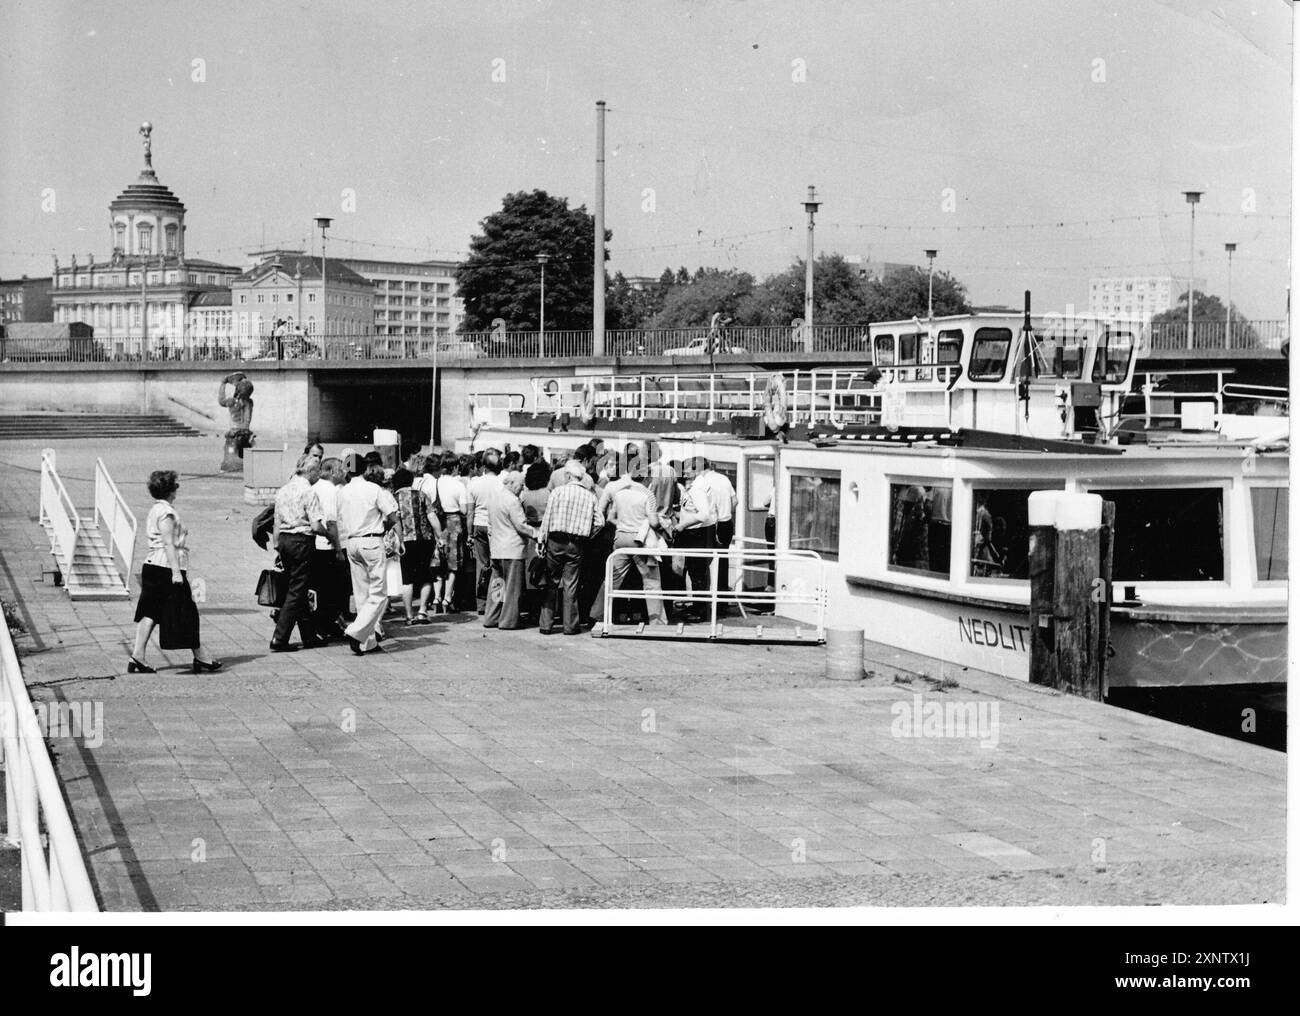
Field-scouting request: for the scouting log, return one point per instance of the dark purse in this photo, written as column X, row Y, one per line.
column 272, row 587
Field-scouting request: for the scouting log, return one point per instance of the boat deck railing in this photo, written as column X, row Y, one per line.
column 803, row 397
column 1204, row 386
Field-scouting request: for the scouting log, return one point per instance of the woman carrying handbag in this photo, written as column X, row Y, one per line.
column 165, row 596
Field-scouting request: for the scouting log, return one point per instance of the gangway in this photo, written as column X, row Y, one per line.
column 92, row 551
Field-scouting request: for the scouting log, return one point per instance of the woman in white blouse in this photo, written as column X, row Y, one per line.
column 165, row 597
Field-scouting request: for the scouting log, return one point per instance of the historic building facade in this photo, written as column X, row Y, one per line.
column 138, row 301
column 283, row 293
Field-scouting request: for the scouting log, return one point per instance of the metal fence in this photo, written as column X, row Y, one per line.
column 687, row 344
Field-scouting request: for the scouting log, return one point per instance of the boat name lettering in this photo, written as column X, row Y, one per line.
column 994, row 634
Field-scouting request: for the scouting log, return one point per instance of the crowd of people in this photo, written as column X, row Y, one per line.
column 522, row 541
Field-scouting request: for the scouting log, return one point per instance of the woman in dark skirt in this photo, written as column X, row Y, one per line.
column 165, row 597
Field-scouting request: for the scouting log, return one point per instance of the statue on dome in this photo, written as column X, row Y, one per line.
column 240, row 404
column 146, row 129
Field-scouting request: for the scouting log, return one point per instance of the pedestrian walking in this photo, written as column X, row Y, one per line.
column 366, row 512
column 298, row 518
column 571, row 517
column 329, row 569
column 165, row 596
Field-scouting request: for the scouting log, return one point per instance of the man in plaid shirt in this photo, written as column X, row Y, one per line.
column 570, row 520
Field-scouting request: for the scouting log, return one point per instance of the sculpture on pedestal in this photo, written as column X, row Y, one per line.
column 240, row 403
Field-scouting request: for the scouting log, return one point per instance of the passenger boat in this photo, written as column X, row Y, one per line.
column 910, row 477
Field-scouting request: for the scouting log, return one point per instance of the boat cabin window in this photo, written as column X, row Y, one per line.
column 920, row 531
column 989, row 352
column 1059, row 352
column 909, row 350
column 1114, row 350
column 1268, row 509
column 884, row 351
column 814, row 515
column 950, row 341
column 999, row 546
column 1168, row 535
column 760, row 486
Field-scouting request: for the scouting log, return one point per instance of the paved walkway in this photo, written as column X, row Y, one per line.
column 503, row 769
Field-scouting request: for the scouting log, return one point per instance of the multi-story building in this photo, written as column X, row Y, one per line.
column 413, row 299
column 138, row 300
column 284, row 289
column 26, row 300
column 1140, row 297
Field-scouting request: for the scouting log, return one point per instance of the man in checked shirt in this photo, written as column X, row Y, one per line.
column 570, row 520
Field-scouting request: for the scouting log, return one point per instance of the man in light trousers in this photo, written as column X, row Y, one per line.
column 366, row 512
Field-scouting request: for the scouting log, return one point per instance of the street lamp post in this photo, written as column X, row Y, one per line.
column 929, row 303
column 323, row 223
column 810, row 206
column 541, row 307
column 1192, row 198
column 1227, row 332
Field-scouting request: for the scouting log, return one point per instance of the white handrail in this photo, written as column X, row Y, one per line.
column 741, row 597
column 55, row 880
column 115, row 518
column 57, row 508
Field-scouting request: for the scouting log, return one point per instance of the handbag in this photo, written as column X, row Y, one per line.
column 272, row 587
column 393, row 577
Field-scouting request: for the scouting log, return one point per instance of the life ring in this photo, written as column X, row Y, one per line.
column 587, row 411
column 776, row 414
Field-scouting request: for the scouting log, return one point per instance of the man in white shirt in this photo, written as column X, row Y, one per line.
column 330, row 574
column 478, row 493
column 366, row 512
column 507, row 531
column 633, row 510
column 713, row 489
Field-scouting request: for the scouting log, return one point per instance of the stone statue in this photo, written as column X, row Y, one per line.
column 146, row 129
column 240, row 403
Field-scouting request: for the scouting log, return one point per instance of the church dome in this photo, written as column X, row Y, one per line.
column 147, row 192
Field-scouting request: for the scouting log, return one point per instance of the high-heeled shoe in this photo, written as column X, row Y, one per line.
column 210, row 666
column 134, row 666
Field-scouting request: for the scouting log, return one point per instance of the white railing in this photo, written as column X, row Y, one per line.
column 57, row 509
column 811, row 396
column 114, row 518
column 753, row 559
column 54, row 876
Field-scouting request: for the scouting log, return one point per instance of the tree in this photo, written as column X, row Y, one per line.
column 904, row 292
column 840, row 295
column 1173, row 322
column 502, row 279
column 694, row 302
column 628, row 307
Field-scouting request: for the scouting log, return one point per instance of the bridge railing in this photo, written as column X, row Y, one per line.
column 697, row 344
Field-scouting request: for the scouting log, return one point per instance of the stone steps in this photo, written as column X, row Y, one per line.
column 56, row 426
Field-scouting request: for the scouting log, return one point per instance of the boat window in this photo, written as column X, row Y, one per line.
column 884, row 350
column 999, row 547
column 950, row 340
column 1113, row 354
column 814, row 515
column 1168, row 535
column 989, row 351
column 920, row 531
column 1268, row 507
column 909, row 347
column 1059, row 352
column 760, row 485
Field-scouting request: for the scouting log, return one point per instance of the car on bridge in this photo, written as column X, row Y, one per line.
column 702, row 345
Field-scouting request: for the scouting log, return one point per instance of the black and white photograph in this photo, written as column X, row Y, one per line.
column 645, row 460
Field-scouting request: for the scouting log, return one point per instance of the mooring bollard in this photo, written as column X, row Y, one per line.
column 845, row 652
column 1067, row 588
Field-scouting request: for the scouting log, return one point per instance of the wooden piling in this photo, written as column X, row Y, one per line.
column 1107, row 555
column 1042, row 580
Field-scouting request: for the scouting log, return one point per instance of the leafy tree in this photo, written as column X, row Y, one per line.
column 840, row 295
column 903, row 293
column 1207, row 308
column 501, row 277
column 694, row 302
column 628, row 307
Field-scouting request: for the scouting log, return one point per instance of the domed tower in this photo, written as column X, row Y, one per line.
column 147, row 219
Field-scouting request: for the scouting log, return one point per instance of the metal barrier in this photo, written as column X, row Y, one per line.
column 1216, row 391
column 738, row 595
column 114, row 518
column 58, row 511
column 54, row 876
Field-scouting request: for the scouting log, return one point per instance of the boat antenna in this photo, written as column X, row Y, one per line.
column 1026, row 358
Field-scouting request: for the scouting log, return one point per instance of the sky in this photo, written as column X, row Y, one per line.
column 1035, row 145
